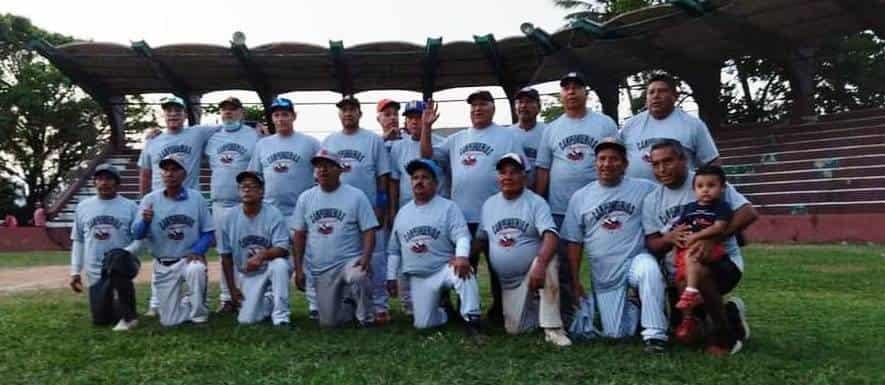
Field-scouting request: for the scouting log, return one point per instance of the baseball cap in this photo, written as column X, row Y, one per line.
column 530, row 93
column 282, row 104
column 610, row 142
column 324, row 154
column 576, row 77
column 348, row 99
column 480, row 95
column 250, row 174
column 512, row 158
column 172, row 160
column 234, row 102
column 424, row 164
column 415, row 106
column 171, row 100
column 107, row 168
column 384, row 103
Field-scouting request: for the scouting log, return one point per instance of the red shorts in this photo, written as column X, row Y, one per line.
column 716, row 254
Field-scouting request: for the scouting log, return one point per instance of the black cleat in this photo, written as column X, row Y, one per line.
column 655, row 346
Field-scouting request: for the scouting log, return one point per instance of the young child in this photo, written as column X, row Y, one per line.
column 706, row 218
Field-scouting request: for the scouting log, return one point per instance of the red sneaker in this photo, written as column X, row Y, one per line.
column 718, row 351
column 382, row 318
column 689, row 299
column 686, row 332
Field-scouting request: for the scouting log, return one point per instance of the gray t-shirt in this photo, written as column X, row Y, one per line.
column 185, row 145
column 364, row 158
column 404, row 151
column 642, row 131
column 531, row 140
column 663, row 207
column 244, row 237
column 177, row 223
column 102, row 225
column 514, row 229
column 424, row 236
column 284, row 161
column 608, row 221
column 566, row 150
column 229, row 153
column 334, row 222
column 472, row 154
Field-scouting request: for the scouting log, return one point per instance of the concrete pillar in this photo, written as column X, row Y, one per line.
column 194, row 109
column 115, row 110
column 706, row 87
column 801, row 68
column 608, row 93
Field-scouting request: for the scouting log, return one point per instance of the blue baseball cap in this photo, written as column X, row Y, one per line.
column 425, row 164
column 415, row 106
column 282, row 104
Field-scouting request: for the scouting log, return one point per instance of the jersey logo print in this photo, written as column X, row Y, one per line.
column 178, row 151
column 509, row 230
column 349, row 157
column 326, row 219
column 282, row 161
column 613, row 214
column 229, row 152
column 470, row 152
column 530, row 153
column 176, row 225
column 577, row 147
column 420, row 237
column 645, row 147
column 103, row 226
column 254, row 245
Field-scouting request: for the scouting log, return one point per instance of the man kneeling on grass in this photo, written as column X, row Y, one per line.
column 254, row 239
column 104, row 244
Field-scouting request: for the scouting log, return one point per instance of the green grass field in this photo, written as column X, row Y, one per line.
column 45, row 258
column 817, row 315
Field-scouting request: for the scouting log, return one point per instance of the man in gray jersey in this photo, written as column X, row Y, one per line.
column 229, row 152
column 528, row 128
column 254, row 240
column 336, row 222
column 429, row 244
column 662, row 207
column 517, row 232
column 566, row 163
column 283, row 160
column 366, row 167
column 662, row 120
column 472, row 154
column 102, row 231
column 177, row 222
column 603, row 220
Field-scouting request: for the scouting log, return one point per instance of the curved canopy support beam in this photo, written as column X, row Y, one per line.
column 431, row 67
column 341, row 67
column 489, row 47
column 256, row 77
column 179, row 86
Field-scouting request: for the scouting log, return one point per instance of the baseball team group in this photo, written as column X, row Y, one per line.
column 360, row 218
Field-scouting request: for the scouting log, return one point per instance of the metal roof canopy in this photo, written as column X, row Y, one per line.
column 679, row 37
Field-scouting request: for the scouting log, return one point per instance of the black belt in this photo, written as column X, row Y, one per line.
column 167, row 262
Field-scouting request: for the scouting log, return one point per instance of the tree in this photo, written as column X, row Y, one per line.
column 48, row 125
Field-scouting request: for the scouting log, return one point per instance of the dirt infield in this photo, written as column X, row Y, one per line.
column 54, row 277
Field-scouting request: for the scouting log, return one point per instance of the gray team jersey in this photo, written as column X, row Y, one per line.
column 643, row 131
column 424, row 236
column 364, row 159
column 284, row 161
column 472, row 154
column 177, row 223
column 334, row 223
column 404, row 151
column 102, row 225
column 229, row 153
column 186, row 145
column 244, row 237
column 608, row 221
column 663, row 207
column 514, row 229
column 531, row 139
column 566, row 149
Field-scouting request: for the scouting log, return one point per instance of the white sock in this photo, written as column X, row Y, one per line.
column 691, row 289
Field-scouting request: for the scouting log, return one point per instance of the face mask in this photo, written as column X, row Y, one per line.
column 230, row 126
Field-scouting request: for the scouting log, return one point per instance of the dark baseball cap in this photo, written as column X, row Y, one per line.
column 480, row 95
column 107, row 168
column 231, row 101
column 171, row 101
column 511, row 158
column 250, row 175
column 610, row 142
column 348, row 100
column 530, row 93
column 172, row 160
column 424, row 164
column 282, row 104
column 414, row 107
column 573, row 77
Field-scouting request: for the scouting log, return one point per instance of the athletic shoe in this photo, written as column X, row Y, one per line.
column 200, row 320
column 152, row 312
column 284, row 326
column 495, row 315
column 686, row 332
column 123, row 325
column 736, row 312
column 655, row 346
column 314, row 315
column 382, row 318
column 366, row 324
column 474, row 331
column 689, row 299
column 557, row 337
column 226, row 307
column 718, row 351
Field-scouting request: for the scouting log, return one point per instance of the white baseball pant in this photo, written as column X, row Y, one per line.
column 344, row 292
column 426, row 293
column 218, row 212
column 259, row 303
column 174, row 304
column 524, row 310
column 379, row 271
column 645, row 277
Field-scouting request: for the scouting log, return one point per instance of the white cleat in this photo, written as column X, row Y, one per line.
column 124, row 326
column 200, row 320
column 152, row 312
column 557, row 337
